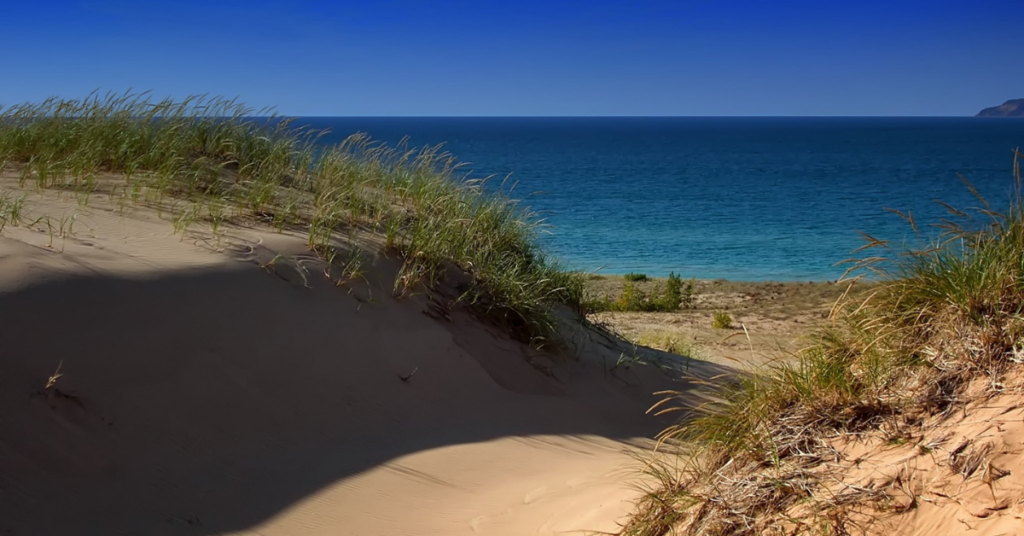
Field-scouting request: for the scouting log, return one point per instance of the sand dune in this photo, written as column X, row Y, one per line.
column 195, row 393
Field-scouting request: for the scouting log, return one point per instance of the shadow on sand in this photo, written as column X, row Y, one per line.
column 208, row 402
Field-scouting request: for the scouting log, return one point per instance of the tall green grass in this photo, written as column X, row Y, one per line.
column 220, row 160
column 942, row 328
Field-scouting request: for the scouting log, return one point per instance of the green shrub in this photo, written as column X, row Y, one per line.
column 635, row 277
column 670, row 297
column 722, row 320
column 689, row 294
column 677, row 294
column 673, row 296
column 633, row 299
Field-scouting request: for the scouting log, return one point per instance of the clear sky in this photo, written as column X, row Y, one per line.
column 527, row 57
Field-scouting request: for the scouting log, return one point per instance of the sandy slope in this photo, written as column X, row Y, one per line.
column 201, row 394
column 963, row 476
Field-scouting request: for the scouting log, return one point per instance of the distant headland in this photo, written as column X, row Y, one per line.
column 1010, row 108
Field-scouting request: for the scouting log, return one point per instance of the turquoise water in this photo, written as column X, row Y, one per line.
column 738, row 198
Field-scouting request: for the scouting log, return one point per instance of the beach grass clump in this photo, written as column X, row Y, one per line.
column 12, row 209
column 943, row 328
column 721, row 320
column 217, row 160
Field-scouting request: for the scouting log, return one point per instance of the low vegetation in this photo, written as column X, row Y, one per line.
column 942, row 328
column 634, row 277
column 211, row 160
column 11, row 210
column 721, row 320
column 670, row 342
column 675, row 293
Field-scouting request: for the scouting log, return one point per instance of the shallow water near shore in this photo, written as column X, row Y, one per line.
column 738, row 198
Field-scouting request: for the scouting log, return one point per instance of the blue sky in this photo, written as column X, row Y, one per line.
column 527, row 57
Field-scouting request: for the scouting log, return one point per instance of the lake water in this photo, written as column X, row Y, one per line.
column 739, row 198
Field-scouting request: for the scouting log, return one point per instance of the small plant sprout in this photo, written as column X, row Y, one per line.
column 352, row 266
column 215, row 211
column 52, row 380
column 11, row 210
column 85, row 188
column 135, row 191
column 273, row 262
column 187, row 218
column 626, row 361
column 61, row 228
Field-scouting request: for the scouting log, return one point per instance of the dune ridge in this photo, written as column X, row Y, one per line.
column 155, row 383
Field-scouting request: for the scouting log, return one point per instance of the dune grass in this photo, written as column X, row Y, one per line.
column 11, row 210
column 216, row 159
column 942, row 329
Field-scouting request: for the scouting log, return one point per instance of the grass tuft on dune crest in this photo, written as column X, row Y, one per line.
column 942, row 329
column 226, row 160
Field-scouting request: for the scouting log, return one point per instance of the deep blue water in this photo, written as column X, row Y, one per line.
column 738, row 198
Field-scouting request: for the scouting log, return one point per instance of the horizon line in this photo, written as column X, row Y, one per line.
column 636, row 116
